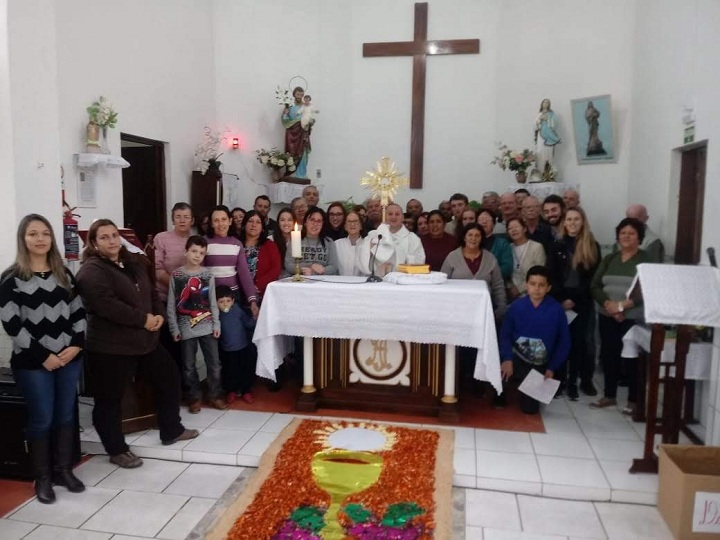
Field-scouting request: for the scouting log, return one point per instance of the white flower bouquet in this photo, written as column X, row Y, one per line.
column 102, row 114
column 276, row 159
column 514, row 160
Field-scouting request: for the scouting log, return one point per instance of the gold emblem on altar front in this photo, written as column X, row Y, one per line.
column 379, row 361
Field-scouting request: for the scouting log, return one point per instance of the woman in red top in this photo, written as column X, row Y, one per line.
column 263, row 255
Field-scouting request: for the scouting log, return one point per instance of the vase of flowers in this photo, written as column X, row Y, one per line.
column 277, row 161
column 208, row 152
column 101, row 117
column 517, row 161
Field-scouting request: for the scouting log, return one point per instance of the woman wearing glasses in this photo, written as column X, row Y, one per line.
column 319, row 256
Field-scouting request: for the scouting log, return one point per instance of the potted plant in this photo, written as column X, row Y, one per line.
column 101, row 117
column 208, row 152
column 517, row 161
column 277, row 161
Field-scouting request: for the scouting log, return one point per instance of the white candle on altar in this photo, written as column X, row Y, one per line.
column 295, row 243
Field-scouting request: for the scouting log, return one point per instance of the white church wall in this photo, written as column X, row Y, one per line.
column 672, row 73
column 153, row 60
column 8, row 220
column 526, row 54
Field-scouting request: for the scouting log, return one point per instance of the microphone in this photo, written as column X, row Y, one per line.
column 372, row 278
column 711, row 256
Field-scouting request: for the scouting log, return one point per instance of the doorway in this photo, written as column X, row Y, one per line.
column 144, row 185
column 688, row 242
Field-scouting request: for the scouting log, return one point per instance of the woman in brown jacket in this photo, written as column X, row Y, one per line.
column 122, row 337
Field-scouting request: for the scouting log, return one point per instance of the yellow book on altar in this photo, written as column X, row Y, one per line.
column 414, row 268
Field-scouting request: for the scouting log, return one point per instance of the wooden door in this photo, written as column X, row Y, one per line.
column 144, row 186
column 690, row 204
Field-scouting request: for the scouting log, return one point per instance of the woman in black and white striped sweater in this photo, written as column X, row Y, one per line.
column 43, row 315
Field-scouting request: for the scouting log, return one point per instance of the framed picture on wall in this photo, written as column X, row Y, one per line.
column 594, row 132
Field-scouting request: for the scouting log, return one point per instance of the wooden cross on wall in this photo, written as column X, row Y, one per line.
column 419, row 49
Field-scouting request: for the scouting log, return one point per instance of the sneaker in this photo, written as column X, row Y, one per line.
column 219, row 403
column 588, row 388
column 572, row 392
column 248, row 398
column 629, row 410
column 184, row 436
column 126, row 460
column 195, row 406
column 231, row 397
column 603, row 403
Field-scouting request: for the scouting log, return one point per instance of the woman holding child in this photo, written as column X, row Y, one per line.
column 124, row 319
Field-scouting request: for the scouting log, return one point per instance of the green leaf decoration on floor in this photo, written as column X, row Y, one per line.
column 309, row 518
column 399, row 514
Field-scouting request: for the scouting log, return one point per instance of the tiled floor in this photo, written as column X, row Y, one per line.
column 557, row 484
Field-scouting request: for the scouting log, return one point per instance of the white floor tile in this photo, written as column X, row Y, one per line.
column 503, row 441
column 200, row 480
column 491, row 509
column 185, row 520
column 70, row 509
column 125, row 537
column 507, row 466
column 154, row 476
column 510, row 486
column 464, row 437
column 95, row 448
column 200, row 420
column 90, row 435
column 473, row 533
column 633, row 497
column 136, row 513
column 14, row 530
column 157, row 452
column 241, row 420
column 277, row 423
column 614, row 450
column 497, row 534
column 611, row 430
column 557, row 407
column 464, row 461
column 576, row 493
column 188, row 456
column 565, row 518
column 561, row 425
column 619, row 477
column 48, row 532
column 464, row 481
column 151, row 439
column 257, row 445
column 247, row 461
column 623, row 521
column 572, row 472
column 94, row 470
column 220, row 441
column 130, row 438
column 561, row 444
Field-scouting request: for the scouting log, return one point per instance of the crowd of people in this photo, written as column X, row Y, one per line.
column 549, row 285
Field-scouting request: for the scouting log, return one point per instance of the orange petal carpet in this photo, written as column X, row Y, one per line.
column 346, row 480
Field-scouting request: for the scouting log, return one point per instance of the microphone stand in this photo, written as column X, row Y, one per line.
column 372, row 278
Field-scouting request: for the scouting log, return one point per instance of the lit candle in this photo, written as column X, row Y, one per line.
column 296, row 249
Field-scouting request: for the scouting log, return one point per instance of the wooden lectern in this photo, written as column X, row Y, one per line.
column 685, row 296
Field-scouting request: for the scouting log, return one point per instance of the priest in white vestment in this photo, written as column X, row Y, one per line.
column 392, row 244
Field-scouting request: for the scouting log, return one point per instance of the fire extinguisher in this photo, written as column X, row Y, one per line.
column 70, row 234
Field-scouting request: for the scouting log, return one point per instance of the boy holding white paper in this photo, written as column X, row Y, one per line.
column 534, row 334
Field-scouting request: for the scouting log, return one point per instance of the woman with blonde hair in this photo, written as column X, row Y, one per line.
column 44, row 317
column 572, row 261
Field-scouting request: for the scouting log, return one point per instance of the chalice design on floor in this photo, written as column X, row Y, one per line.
column 349, row 465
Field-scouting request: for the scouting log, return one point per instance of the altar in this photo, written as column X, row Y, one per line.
column 379, row 346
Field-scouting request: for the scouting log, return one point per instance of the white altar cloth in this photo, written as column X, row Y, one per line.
column 458, row 312
column 697, row 363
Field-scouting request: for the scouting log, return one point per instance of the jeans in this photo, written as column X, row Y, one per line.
column 209, row 346
column 521, row 369
column 50, row 397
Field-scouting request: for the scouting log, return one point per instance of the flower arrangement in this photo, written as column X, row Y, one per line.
column 207, row 152
column 283, row 97
column 102, row 114
column 517, row 161
column 276, row 159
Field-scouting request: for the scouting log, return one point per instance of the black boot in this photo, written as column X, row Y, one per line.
column 62, row 466
column 40, row 455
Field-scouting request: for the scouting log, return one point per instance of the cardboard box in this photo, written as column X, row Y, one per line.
column 689, row 490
